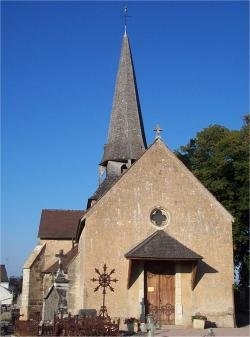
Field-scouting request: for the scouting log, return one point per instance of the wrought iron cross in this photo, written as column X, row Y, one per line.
column 104, row 281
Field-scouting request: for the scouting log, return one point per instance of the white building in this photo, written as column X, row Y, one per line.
column 6, row 296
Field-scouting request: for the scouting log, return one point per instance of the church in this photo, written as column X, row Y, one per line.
column 152, row 238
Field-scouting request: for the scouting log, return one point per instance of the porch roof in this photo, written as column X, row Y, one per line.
column 161, row 246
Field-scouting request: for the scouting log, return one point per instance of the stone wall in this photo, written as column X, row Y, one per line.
column 52, row 248
column 120, row 220
column 28, row 281
column 48, row 281
column 34, row 284
column 74, row 300
column 36, row 288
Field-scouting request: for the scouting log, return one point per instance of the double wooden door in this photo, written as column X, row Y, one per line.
column 160, row 291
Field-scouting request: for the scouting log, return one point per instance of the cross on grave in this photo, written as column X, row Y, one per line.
column 158, row 217
column 157, row 130
column 104, row 281
column 60, row 256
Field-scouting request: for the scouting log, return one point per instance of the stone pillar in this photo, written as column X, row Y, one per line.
column 61, row 285
column 142, row 297
column 178, row 302
column 24, row 310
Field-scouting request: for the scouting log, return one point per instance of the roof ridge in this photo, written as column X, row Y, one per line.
column 192, row 176
column 121, row 176
column 63, row 210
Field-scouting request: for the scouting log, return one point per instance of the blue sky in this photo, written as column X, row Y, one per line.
column 59, row 63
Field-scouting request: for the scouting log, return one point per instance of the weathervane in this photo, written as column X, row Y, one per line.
column 104, row 281
column 126, row 16
column 158, row 131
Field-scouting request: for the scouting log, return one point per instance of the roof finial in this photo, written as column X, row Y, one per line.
column 158, row 130
column 125, row 18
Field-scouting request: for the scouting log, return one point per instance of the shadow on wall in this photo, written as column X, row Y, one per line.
column 202, row 269
column 137, row 266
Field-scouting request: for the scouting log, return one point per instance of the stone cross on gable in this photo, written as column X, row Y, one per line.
column 157, row 130
column 60, row 256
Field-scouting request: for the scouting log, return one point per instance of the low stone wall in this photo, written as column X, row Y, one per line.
column 222, row 319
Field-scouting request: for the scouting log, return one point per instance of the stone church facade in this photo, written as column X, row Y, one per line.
column 168, row 239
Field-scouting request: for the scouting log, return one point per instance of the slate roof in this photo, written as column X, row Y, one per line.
column 59, row 224
column 126, row 137
column 161, row 246
column 65, row 263
column 107, row 183
column 3, row 274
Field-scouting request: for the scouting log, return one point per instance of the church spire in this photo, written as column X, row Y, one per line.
column 126, row 137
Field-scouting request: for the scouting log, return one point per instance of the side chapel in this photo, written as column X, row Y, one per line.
column 167, row 237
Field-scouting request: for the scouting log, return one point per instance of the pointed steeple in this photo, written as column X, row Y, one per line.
column 126, row 137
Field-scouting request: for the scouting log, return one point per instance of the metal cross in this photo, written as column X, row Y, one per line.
column 104, row 281
column 60, row 255
column 158, row 217
column 157, row 130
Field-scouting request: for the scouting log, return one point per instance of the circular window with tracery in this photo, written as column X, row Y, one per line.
column 159, row 217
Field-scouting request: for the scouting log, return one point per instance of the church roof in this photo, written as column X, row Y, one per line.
column 161, row 246
column 107, row 183
column 3, row 274
column 59, row 224
column 126, row 137
column 66, row 261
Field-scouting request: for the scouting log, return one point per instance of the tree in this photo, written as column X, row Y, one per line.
column 219, row 158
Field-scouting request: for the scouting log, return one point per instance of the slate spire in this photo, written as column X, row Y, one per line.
column 126, row 137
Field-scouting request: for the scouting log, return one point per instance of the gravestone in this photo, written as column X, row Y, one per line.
column 50, row 304
column 55, row 302
column 88, row 313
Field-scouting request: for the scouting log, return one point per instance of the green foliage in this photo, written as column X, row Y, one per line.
column 219, row 158
column 199, row 316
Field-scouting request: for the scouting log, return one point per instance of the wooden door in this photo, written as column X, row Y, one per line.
column 160, row 291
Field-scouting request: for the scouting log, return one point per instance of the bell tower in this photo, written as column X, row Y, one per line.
column 126, row 137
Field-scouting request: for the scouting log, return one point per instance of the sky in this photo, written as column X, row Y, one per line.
column 58, row 63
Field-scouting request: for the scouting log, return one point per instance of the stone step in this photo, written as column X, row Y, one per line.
column 171, row 327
